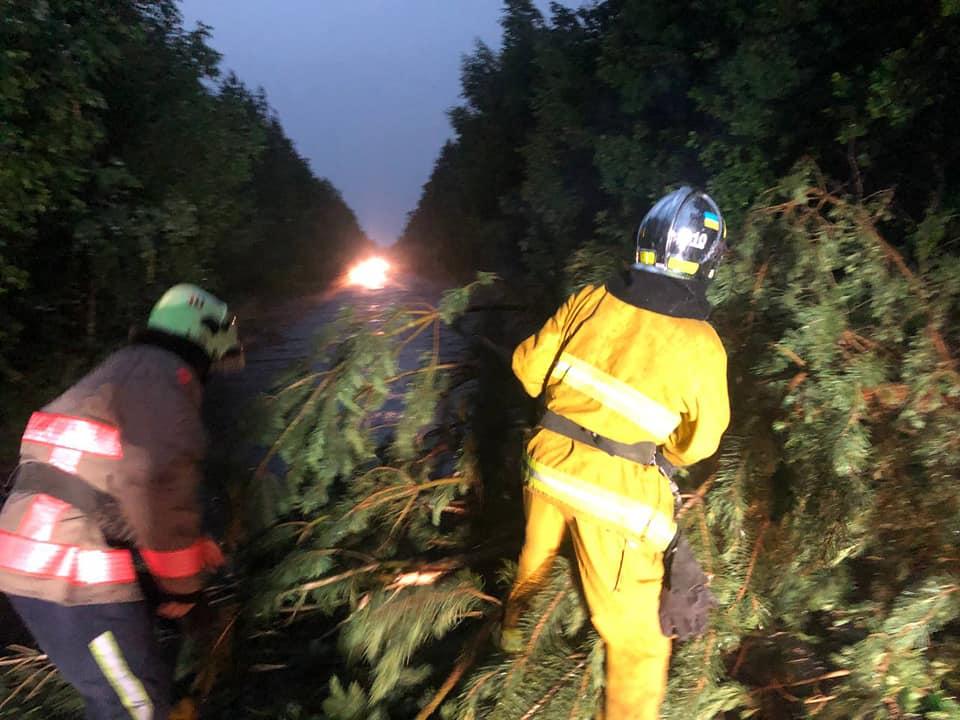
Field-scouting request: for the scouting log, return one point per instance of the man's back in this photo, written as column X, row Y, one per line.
column 131, row 431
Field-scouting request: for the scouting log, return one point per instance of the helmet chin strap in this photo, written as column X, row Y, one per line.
column 232, row 362
column 189, row 352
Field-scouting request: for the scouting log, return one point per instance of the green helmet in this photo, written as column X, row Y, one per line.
column 192, row 313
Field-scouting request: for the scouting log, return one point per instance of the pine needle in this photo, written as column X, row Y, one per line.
column 466, row 660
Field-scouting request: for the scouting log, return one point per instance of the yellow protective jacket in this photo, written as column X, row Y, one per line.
column 631, row 374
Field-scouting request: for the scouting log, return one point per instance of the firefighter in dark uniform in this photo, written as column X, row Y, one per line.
column 106, row 495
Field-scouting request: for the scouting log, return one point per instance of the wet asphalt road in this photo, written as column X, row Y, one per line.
column 281, row 336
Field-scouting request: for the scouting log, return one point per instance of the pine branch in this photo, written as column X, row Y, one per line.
column 790, row 354
column 306, row 380
column 542, row 702
column 420, row 371
column 206, row 679
column 697, row 497
column 398, row 523
column 51, row 673
column 25, row 656
column 535, row 635
column 479, row 684
column 758, row 545
column 307, row 587
column 705, row 538
column 467, row 658
column 581, row 693
column 278, row 443
column 709, row 644
column 392, row 494
column 866, row 221
column 32, row 672
column 800, row 683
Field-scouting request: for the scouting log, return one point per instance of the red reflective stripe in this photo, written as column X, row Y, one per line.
column 76, row 565
column 174, row 564
column 74, row 433
column 41, row 517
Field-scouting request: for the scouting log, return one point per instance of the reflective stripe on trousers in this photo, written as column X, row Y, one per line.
column 109, row 653
column 622, row 589
column 114, row 666
column 635, row 518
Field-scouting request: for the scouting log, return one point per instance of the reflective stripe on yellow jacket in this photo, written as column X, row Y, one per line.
column 632, row 375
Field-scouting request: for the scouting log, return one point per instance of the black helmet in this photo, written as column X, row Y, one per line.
column 683, row 235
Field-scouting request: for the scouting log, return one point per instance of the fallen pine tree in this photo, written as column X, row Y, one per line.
column 374, row 542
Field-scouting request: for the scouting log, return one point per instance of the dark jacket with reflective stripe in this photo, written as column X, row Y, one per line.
column 153, row 397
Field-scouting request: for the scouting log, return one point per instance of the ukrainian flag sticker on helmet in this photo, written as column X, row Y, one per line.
column 711, row 221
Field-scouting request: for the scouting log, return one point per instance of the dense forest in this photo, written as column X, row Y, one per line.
column 129, row 163
column 829, row 519
column 375, row 538
column 569, row 132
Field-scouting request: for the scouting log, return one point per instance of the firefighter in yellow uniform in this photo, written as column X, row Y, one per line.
column 631, row 372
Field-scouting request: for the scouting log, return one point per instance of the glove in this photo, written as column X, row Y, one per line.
column 213, row 558
column 685, row 600
column 173, row 610
column 176, row 605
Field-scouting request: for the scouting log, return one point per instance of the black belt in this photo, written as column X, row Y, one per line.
column 644, row 453
column 73, row 490
column 103, row 509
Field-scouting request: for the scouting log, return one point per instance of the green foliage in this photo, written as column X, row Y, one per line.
column 31, row 687
column 455, row 301
column 829, row 514
column 367, row 544
column 348, row 703
column 830, row 522
column 829, row 519
column 463, row 221
column 130, row 164
column 425, row 613
column 559, row 671
column 592, row 264
column 571, row 130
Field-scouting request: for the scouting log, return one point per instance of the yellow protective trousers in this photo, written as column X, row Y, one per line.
column 621, row 580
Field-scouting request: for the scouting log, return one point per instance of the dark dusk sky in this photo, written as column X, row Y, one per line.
column 361, row 86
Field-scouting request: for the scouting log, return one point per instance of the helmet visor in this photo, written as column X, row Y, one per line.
column 224, row 346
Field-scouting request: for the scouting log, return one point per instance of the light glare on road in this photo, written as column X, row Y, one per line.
column 370, row 274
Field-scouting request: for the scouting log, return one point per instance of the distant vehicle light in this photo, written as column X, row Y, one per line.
column 370, row 274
